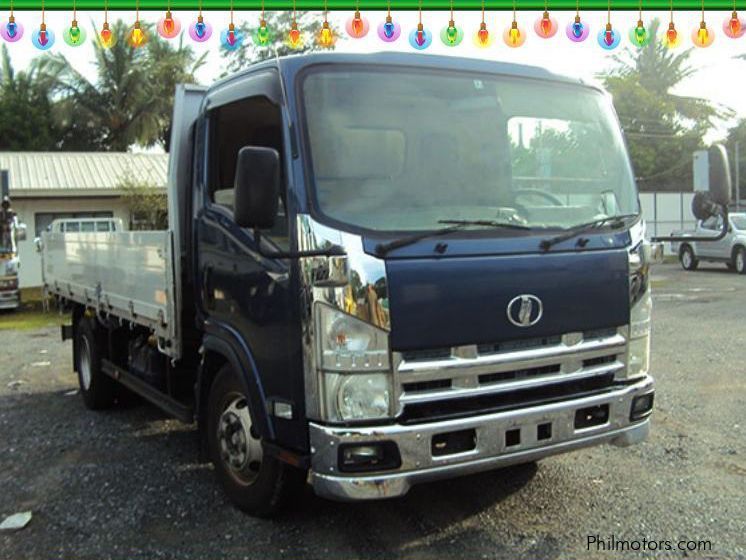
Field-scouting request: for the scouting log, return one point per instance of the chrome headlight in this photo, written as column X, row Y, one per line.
column 355, row 367
column 641, row 305
column 11, row 267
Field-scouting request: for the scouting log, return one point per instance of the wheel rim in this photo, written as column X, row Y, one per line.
column 85, row 363
column 686, row 258
column 240, row 451
column 740, row 261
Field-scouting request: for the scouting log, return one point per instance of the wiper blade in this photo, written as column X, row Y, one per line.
column 455, row 225
column 613, row 222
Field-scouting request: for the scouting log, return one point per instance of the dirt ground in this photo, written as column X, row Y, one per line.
column 127, row 483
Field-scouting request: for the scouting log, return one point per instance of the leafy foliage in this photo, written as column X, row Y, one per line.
column 148, row 205
column 26, row 113
column 662, row 128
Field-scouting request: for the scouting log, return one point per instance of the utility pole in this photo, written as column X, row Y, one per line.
column 738, row 174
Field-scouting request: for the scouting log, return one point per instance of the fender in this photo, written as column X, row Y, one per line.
column 226, row 341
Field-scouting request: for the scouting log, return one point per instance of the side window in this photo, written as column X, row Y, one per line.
column 87, row 226
column 72, row 226
column 254, row 121
column 714, row 222
column 102, row 226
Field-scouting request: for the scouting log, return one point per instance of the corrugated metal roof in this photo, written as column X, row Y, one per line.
column 72, row 172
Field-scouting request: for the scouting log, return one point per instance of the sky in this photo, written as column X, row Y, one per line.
column 719, row 76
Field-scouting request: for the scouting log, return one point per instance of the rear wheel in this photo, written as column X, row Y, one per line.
column 97, row 388
column 739, row 260
column 256, row 483
column 687, row 259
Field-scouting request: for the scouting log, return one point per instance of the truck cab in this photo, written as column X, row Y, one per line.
column 380, row 270
column 10, row 234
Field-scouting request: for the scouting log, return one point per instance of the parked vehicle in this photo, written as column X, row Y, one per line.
column 380, row 270
column 11, row 232
column 87, row 225
column 730, row 249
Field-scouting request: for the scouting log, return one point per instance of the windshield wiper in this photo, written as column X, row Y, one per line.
column 455, row 225
column 613, row 222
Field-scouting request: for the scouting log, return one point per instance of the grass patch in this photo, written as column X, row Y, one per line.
column 30, row 315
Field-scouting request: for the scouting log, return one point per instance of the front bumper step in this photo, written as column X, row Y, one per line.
column 502, row 439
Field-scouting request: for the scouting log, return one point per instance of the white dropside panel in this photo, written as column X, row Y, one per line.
column 125, row 274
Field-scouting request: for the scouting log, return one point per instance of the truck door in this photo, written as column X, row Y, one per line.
column 714, row 249
column 245, row 296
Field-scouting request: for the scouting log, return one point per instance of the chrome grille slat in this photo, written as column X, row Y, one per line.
column 506, row 386
column 466, row 372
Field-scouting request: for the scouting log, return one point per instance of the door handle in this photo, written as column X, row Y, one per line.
column 207, row 293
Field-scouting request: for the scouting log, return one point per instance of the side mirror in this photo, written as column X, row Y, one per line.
column 37, row 244
column 720, row 182
column 257, row 187
column 21, row 232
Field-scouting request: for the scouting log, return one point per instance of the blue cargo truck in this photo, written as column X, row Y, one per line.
column 380, row 270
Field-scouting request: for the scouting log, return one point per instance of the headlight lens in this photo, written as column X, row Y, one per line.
column 358, row 396
column 641, row 305
column 11, row 267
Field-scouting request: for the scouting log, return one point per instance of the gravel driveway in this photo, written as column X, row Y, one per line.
column 127, row 483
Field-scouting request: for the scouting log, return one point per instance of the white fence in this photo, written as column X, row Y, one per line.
column 665, row 212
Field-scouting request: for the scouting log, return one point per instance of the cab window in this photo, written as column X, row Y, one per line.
column 254, row 121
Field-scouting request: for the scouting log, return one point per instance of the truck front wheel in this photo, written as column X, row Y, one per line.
column 97, row 388
column 254, row 481
column 687, row 259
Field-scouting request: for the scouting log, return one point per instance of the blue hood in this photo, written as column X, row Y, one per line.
column 458, row 300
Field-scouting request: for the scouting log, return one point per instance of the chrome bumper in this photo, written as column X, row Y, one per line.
column 419, row 465
column 9, row 299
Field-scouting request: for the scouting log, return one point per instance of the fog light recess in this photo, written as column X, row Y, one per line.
column 642, row 406
column 364, row 457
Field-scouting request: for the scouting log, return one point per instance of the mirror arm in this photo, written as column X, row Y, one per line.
column 723, row 212
column 333, row 251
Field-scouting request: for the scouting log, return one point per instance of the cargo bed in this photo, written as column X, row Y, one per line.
column 125, row 274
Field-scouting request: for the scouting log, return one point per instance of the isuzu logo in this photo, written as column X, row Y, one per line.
column 525, row 310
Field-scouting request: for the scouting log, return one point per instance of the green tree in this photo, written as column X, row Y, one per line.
column 147, row 205
column 736, row 139
column 26, row 116
column 662, row 128
column 131, row 100
column 278, row 23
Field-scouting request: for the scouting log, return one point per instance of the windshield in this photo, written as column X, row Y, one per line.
column 739, row 222
column 404, row 149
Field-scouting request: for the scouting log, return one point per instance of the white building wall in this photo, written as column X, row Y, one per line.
column 27, row 208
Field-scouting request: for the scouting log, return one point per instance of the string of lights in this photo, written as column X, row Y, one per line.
column 357, row 26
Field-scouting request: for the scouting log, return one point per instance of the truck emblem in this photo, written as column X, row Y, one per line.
column 525, row 310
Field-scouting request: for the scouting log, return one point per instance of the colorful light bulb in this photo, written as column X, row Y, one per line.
column 106, row 39
column 482, row 37
column 262, row 36
column 734, row 27
column 546, row 26
column 326, row 38
column 451, row 35
column 294, row 38
column 200, row 31
column 388, row 30
column 701, row 36
column 609, row 38
column 420, row 38
column 231, row 38
column 137, row 37
column 671, row 37
column 638, row 35
column 43, row 38
column 577, row 31
column 11, row 31
column 74, row 35
column 169, row 27
column 357, row 26
column 514, row 36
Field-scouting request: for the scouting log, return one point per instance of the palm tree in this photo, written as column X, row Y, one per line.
column 131, row 100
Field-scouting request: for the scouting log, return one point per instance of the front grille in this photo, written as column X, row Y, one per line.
column 499, row 402
column 476, row 379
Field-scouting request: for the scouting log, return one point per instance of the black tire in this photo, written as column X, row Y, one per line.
column 739, row 260
column 97, row 388
column 256, row 483
column 687, row 259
